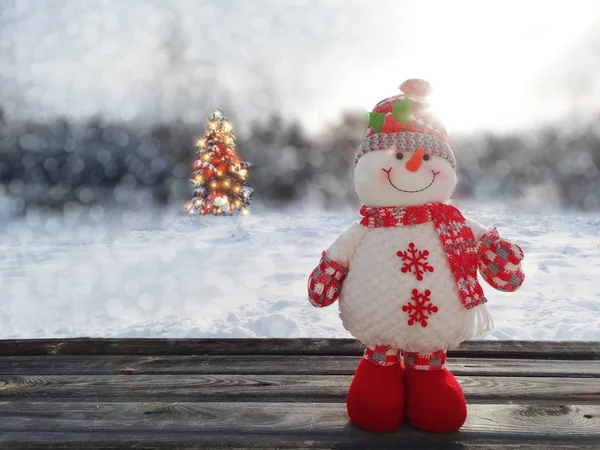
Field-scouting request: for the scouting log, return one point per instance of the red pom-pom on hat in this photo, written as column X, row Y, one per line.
column 416, row 87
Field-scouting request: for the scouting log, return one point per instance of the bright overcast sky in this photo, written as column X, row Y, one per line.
column 307, row 58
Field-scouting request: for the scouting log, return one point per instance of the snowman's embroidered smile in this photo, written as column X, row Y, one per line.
column 402, row 190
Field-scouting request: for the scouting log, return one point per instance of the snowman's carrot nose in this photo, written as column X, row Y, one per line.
column 415, row 160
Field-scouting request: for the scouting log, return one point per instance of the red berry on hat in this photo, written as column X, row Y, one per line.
column 387, row 128
column 399, row 126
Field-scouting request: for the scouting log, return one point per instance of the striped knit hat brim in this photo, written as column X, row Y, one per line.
column 406, row 141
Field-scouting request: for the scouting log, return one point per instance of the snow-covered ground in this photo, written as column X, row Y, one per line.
column 94, row 273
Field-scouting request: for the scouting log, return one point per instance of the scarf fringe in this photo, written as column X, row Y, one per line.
column 479, row 322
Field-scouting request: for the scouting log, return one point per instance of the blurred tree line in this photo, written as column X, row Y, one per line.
column 98, row 161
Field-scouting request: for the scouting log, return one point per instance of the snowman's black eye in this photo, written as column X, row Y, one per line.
column 425, row 157
column 399, row 155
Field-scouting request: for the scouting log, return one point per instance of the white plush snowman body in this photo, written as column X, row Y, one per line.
column 376, row 288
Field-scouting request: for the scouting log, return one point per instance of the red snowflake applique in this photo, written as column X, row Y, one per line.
column 421, row 309
column 415, row 261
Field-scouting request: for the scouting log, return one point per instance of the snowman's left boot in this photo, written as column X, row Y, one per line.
column 434, row 400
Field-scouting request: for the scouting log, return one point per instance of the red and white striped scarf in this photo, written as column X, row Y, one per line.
column 455, row 235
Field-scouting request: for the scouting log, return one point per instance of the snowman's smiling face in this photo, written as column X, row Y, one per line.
column 400, row 178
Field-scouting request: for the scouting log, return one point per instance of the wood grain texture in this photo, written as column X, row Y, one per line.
column 350, row 439
column 339, row 347
column 253, row 393
column 273, row 388
column 268, row 424
column 273, row 365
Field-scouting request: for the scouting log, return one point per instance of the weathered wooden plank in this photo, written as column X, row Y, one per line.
column 273, row 365
column 352, row 438
column 309, row 424
column 349, row 347
column 273, row 388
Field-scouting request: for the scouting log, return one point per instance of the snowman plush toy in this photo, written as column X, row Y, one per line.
column 406, row 273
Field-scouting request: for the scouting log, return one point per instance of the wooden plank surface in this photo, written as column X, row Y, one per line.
column 196, row 441
column 313, row 424
column 270, row 388
column 349, row 347
column 273, row 365
column 253, row 393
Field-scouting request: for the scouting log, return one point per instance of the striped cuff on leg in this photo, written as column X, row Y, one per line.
column 382, row 355
column 425, row 361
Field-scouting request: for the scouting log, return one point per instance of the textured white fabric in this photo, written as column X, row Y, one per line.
column 375, row 290
column 380, row 179
column 345, row 245
column 477, row 229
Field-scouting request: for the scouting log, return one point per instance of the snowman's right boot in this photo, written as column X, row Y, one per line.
column 375, row 400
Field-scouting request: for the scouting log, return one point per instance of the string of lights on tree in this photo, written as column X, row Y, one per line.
column 219, row 176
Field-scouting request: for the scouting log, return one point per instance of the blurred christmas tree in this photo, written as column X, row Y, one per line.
column 219, row 176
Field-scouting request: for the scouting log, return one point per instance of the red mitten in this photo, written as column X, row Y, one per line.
column 325, row 282
column 499, row 262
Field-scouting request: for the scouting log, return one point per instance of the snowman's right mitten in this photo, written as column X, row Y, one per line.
column 325, row 282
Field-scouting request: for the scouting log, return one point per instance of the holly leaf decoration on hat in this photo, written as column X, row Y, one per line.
column 376, row 121
column 402, row 110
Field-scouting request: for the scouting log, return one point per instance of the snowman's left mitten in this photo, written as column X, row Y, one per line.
column 325, row 282
column 499, row 262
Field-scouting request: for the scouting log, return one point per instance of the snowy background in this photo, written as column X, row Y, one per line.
column 149, row 274
column 102, row 100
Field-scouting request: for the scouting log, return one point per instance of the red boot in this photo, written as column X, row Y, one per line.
column 375, row 399
column 434, row 400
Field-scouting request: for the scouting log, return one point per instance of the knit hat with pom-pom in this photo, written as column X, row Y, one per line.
column 405, row 122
